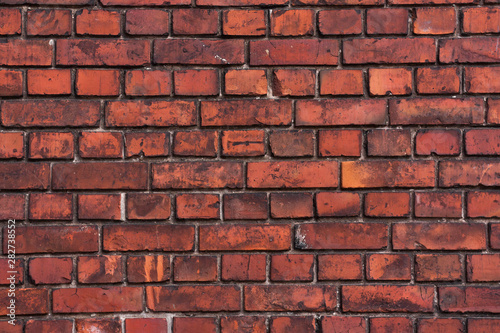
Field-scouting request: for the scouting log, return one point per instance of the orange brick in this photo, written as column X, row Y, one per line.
column 340, row 142
column 340, row 22
column 97, row 22
column 341, row 82
column 434, row 21
column 246, row 82
column 387, row 21
column 193, row 82
column 11, row 21
column 390, row 81
column 244, row 23
column 149, row 144
column 49, row 81
column 148, row 83
column 45, row 145
column 11, row 145
column 438, row 80
column 46, row 22
column 294, row 82
column 101, row 144
column 295, row 22
column 11, row 83
column 91, row 82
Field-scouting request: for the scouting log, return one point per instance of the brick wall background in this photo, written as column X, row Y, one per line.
column 251, row 165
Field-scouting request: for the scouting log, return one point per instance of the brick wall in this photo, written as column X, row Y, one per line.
column 251, row 165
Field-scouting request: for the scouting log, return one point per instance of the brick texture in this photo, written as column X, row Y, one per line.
column 250, row 166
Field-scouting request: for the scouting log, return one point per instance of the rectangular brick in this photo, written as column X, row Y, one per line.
column 21, row 52
column 469, row 50
column 294, row 52
column 24, row 176
column 469, row 173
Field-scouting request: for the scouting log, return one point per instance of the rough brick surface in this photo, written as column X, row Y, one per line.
column 250, row 166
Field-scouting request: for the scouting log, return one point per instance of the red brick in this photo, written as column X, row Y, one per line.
column 51, row 206
column 244, row 267
column 203, row 82
column 202, row 324
column 243, row 324
column 147, row 22
column 309, row 298
column 493, row 116
column 243, row 143
column 387, row 204
column 50, row 270
column 148, row 83
column 434, row 21
column 48, row 326
column 148, row 144
column 11, row 21
column 436, row 325
column 468, row 173
column 294, row 52
column 150, row 113
column 18, row 176
column 390, row 81
column 437, row 111
column 483, row 204
column 387, row 298
column 92, row 300
column 9, row 269
column 100, row 269
column 387, row 21
column 195, row 268
column 29, row 301
column 196, row 143
column 47, row 22
column 341, row 236
column 245, row 206
column 251, row 82
column 145, row 3
column 481, row 20
column 19, row 52
column 148, row 268
column 391, row 324
column 198, row 206
column 97, row 82
column 340, row 324
column 244, row 23
column 337, row 204
column 47, row 145
column 292, row 22
column 404, row 51
column 438, row 267
column 369, row 174
column 388, row 267
column 292, row 174
column 101, row 145
column 201, row 52
column 482, row 325
column 53, row 113
column 150, row 237
column 298, row 323
column 292, row 143
column 97, row 22
column 99, row 206
column 438, row 80
column 294, row 82
column 292, row 205
column 258, row 112
column 337, row 112
column 187, row 175
column 438, row 236
column 6, row 327
column 469, row 50
column 12, row 207
column 195, row 21
column 340, row 142
column 389, row 142
column 482, row 79
column 340, row 22
column 208, row 298
column 341, row 82
column 438, row 204
column 439, row 142
column 11, row 83
column 483, row 267
column 55, row 239
column 240, row 2
column 339, row 267
column 102, row 52
column 11, row 145
column 427, row 2
column 49, row 81
column 292, row 267
column 469, row 299
column 148, row 206
column 138, row 325
column 245, row 237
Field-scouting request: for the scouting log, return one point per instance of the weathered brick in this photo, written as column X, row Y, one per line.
column 58, row 325
column 51, row 206
column 49, row 81
column 341, row 236
column 244, row 324
column 439, row 142
column 387, row 21
column 148, row 144
column 195, row 21
column 299, row 323
column 13, row 206
column 245, row 237
column 493, row 116
column 97, row 22
column 310, row 298
column 244, row 22
column 47, row 22
column 438, row 236
column 243, row 143
column 195, row 268
column 148, row 268
column 244, row 267
column 291, row 205
column 482, row 325
column 389, row 81
column 341, row 82
column 391, row 324
column 29, row 301
column 387, row 298
column 196, row 143
column 212, row 298
column 339, row 324
column 469, row 50
column 91, row 300
column 388, row 267
column 49, row 145
column 434, row 325
column 193, row 82
column 294, row 52
column 201, row 324
column 387, row 204
column 438, row 267
column 11, row 21
column 19, row 52
column 481, row 20
column 337, row 204
column 11, row 83
column 138, row 325
column 340, row 142
column 482, row 80
column 293, row 82
column 148, row 83
column 292, row 22
column 251, row 82
column 483, row 204
column 147, row 22
column 434, row 21
column 151, row 237
column 198, row 206
column 339, row 267
column 91, row 82
column 438, row 80
column 148, row 206
column 340, row 22
column 292, row 267
column 468, row 173
column 388, row 142
column 438, row 204
column 11, row 145
column 99, row 206
column 292, row 143
column 101, row 145
column 145, row 2
column 469, row 299
column 100, row 269
column 240, row 206
column 483, row 267
column 50, row 270
column 19, row 176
